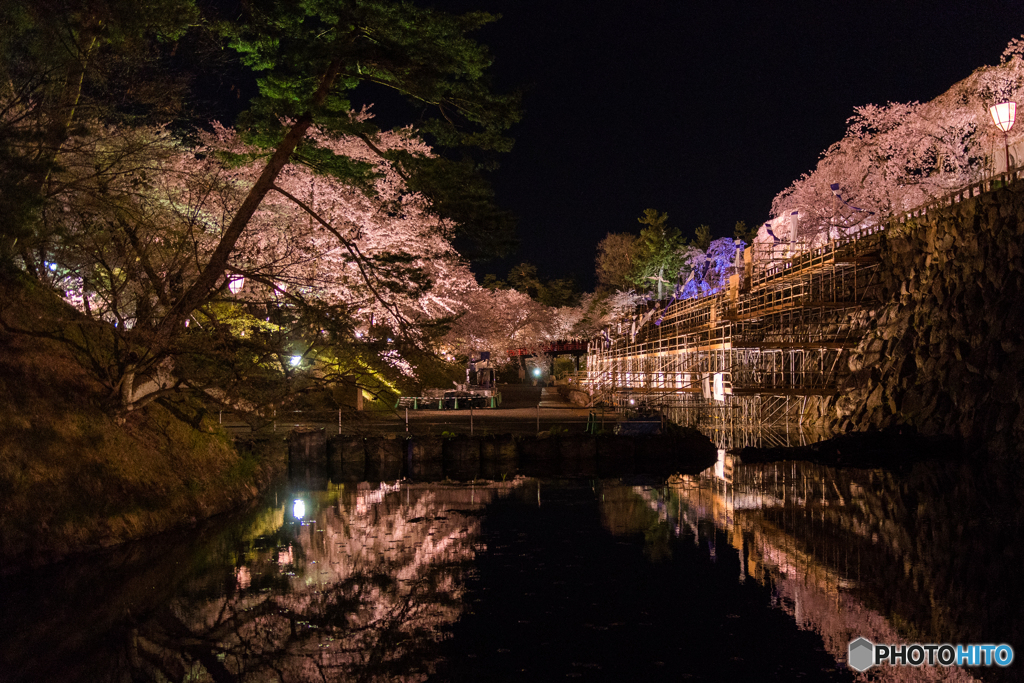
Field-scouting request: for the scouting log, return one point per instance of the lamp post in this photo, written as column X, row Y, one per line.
column 1003, row 114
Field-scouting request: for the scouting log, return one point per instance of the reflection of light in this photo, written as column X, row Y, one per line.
column 296, row 360
column 720, row 464
column 299, row 509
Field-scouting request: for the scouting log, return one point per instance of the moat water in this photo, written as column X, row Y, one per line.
column 745, row 572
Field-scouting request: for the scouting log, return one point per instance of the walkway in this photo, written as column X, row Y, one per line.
column 524, row 409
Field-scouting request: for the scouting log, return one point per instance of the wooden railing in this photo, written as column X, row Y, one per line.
column 960, row 195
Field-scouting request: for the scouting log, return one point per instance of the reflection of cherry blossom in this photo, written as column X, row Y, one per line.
column 361, row 590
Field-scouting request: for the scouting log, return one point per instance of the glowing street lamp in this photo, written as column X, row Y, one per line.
column 1004, row 114
column 235, row 284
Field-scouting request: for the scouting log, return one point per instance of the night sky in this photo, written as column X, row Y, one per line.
column 704, row 110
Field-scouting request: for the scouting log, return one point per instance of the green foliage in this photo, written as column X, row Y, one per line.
column 616, row 255
column 658, row 258
column 422, row 53
column 524, row 278
column 563, row 365
column 459, row 193
column 294, row 49
column 702, row 237
column 742, row 232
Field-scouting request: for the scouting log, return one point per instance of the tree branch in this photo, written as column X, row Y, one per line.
column 352, row 249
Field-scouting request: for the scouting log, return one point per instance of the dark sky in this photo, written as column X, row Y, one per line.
column 705, row 110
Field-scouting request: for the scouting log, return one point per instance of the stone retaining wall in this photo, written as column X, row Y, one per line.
column 464, row 458
column 946, row 354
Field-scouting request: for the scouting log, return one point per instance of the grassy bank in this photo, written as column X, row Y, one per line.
column 73, row 479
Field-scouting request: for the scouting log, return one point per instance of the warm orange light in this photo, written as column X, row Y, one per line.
column 1003, row 114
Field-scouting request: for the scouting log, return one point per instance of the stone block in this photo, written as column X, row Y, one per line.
column 499, row 458
column 462, row 458
column 579, row 456
column 426, row 458
column 346, row 458
column 307, row 446
column 384, row 458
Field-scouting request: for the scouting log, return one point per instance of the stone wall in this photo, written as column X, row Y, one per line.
column 465, row 458
column 946, row 354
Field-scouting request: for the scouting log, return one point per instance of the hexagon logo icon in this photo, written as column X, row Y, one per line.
column 861, row 655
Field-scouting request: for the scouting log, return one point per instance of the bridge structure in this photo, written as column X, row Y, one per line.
column 764, row 355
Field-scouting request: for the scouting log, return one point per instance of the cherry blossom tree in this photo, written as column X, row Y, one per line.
column 339, row 277
column 899, row 155
column 500, row 319
column 308, row 227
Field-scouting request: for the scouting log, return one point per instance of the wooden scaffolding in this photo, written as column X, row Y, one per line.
column 753, row 355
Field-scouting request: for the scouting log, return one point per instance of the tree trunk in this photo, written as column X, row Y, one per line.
column 127, row 391
column 205, row 284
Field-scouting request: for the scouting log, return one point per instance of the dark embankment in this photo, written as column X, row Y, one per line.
column 73, row 479
column 893, row 448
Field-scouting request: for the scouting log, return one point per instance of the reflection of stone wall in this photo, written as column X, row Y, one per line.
column 926, row 556
column 947, row 353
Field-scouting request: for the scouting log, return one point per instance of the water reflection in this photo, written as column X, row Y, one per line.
column 363, row 582
column 352, row 582
column 355, row 584
column 926, row 556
